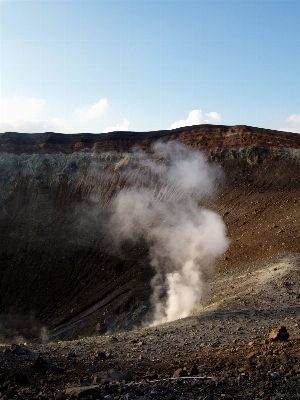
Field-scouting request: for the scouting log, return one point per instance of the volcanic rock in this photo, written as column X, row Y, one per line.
column 71, row 354
column 101, row 328
column 18, row 380
column 112, row 375
column 150, row 376
column 83, row 391
column 278, row 334
column 100, row 355
column 180, row 373
column 39, row 364
column 18, row 350
column 193, row 371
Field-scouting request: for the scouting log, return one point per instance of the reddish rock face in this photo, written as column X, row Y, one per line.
column 58, row 265
column 203, row 137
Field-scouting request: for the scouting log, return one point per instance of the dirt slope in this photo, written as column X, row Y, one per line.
column 223, row 351
column 58, row 266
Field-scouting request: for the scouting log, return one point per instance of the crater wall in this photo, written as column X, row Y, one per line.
column 57, row 258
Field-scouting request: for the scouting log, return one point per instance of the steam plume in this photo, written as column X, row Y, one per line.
column 170, row 212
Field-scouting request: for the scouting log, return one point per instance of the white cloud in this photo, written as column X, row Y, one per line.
column 34, row 126
column 19, row 114
column 290, row 124
column 212, row 117
column 31, row 126
column 294, row 119
column 197, row 117
column 93, row 112
column 293, row 123
column 123, row 127
column 17, row 108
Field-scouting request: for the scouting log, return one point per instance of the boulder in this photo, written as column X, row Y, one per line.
column 19, row 350
column 278, row 334
column 193, row 371
column 100, row 355
column 179, row 373
column 39, row 364
column 81, row 392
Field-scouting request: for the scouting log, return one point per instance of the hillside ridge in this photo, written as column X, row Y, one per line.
column 204, row 136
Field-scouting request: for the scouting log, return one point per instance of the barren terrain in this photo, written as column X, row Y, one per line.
column 225, row 347
column 61, row 278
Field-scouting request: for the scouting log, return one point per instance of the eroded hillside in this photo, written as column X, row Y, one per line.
column 60, row 267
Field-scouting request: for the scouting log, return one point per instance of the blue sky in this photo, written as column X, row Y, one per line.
column 101, row 65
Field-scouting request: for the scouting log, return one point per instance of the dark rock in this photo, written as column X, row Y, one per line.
column 10, row 394
column 180, row 373
column 101, row 328
column 150, row 376
column 109, row 355
column 100, row 355
column 193, row 371
column 2, row 379
column 83, row 391
column 18, row 350
column 40, row 365
column 18, row 380
column 278, row 334
column 285, row 357
column 274, row 375
column 112, row 375
column 71, row 354
column 279, row 397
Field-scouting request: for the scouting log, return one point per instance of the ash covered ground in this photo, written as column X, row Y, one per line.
column 224, row 351
column 65, row 281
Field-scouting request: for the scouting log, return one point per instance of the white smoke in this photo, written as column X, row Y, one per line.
column 168, row 211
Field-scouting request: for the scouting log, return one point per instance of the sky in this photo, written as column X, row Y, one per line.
column 74, row 66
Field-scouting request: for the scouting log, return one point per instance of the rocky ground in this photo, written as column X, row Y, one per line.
column 58, row 263
column 73, row 286
column 222, row 351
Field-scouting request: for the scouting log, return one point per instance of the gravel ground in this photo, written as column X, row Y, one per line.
column 222, row 351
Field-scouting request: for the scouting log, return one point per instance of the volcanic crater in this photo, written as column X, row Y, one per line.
column 63, row 278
